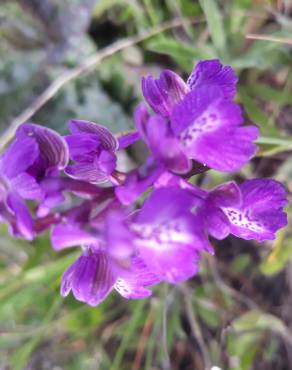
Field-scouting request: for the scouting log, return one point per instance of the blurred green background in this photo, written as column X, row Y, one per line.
column 237, row 313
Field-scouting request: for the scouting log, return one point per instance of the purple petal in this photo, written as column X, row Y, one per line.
column 26, row 186
column 167, row 179
column 141, row 117
column 165, row 204
column 24, row 222
column 66, row 282
column 118, row 236
column 165, row 146
column 106, row 161
column 209, row 131
column 82, row 145
column 90, row 278
column 128, row 139
column 130, row 290
column 213, row 73
column 173, row 264
column 108, row 141
column 261, row 214
column 143, row 275
column 53, row 148
column 168, row 237
column 19, row 156
column 70, row 235
column 263, row 194
column 59, row 184
column 138, row 181
column 164, row 93
column 226, row 195
column 49, row 202
column 156, row 132
column 216, row 223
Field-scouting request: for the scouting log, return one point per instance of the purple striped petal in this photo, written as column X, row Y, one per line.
column 131, row 283
column 87, row 171
column 213, row 73
column 90, row 278
column 82, row 145
column 106, row 138
column 130, row 290
column 53, row 148
column 164, row 93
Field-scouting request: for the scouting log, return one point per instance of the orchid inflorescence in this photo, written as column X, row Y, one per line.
column 128, row 243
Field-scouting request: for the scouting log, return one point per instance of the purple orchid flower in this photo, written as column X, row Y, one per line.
column 93, row 149
column 203, row 124
column 108, row 262
column 34, row 154
column 253, row 210
column 168, row 236
column 138, row 181
column 209, row 129
column 166, row 92
column 52, row 158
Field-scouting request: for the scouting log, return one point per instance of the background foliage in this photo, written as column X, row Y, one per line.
column 237, row 313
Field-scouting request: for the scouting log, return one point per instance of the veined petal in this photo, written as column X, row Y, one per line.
column 90, row 278
column 164, row 93
column 213, row 73
column 131, row 283
column 87, row 171
column 108, row 141
column 82, row 145
column 128, row 289
column 52, row 146
column 19, row 156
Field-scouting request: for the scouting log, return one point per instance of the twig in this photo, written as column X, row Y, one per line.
column 143, row 341
column 86, row 66
column 166, row 365
column 196, row 331
column 281, row 40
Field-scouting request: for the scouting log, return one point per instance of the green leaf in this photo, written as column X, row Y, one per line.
column 182, row 53
column 257, row 115
column 254, row 320
column 215, row 24
column 279, row 256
